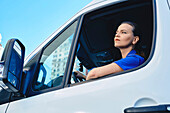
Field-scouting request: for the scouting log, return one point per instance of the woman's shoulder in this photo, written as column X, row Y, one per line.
column 137, row 57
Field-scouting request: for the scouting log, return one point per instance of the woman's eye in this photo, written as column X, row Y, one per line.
column 124, row 32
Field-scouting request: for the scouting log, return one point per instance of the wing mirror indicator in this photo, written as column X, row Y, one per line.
column 11, row 65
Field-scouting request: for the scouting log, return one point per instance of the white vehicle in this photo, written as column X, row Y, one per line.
column 45, row 82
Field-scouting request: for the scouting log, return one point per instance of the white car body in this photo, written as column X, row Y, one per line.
column 146, row 86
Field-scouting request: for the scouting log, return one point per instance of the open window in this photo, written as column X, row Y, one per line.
column 96, row 44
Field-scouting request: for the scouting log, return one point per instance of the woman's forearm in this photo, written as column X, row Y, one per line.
column 104, row 70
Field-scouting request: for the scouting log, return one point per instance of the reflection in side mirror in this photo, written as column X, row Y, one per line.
column 11, row 65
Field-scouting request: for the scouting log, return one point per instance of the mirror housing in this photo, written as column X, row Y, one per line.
column 11, row 65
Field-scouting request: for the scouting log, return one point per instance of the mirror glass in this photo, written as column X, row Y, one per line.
column 11, row 65
column 15, row 65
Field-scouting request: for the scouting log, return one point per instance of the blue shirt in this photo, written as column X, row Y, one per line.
column 132, row 60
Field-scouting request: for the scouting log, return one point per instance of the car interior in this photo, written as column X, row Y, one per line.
column 96, row 40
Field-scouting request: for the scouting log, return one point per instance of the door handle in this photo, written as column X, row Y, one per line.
column 149, row 109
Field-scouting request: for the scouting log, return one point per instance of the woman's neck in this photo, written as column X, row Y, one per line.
column 125, row 51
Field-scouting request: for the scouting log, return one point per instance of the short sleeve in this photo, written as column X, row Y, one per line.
column 130, row 62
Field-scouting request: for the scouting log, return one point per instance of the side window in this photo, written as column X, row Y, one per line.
column 54, row 60
column 96, row 46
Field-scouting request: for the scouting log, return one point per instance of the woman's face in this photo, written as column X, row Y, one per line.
column 124, row 37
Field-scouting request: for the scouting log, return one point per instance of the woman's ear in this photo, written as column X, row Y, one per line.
column 135, row 40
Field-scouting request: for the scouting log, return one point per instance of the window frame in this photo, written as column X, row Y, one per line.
column 32, row 92
column 73, row 53
column 154, row 33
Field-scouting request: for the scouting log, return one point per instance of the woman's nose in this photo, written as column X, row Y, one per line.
column 117, row 35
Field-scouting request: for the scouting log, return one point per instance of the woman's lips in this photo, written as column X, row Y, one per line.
column 117, row 40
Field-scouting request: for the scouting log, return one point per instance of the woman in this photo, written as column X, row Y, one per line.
column 125, row 39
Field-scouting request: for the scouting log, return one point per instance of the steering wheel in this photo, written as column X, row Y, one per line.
column 77, row 78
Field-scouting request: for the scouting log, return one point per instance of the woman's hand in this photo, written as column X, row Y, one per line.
column 92, row 74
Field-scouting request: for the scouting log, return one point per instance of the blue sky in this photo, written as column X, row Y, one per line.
column 32, row 21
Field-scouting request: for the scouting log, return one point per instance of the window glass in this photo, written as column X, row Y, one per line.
column 54, row 59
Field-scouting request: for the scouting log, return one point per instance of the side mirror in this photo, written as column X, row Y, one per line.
column 11, row 65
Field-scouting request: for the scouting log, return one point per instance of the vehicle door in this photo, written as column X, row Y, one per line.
column 3, row 108
column 49, row 76
column 53, row 88
column 4, row 100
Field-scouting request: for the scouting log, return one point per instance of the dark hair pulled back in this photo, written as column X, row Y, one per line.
column 136, row 32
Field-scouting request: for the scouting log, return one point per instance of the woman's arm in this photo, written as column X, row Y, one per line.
column 104, row 70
